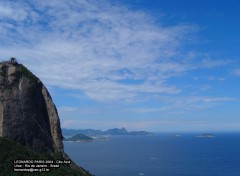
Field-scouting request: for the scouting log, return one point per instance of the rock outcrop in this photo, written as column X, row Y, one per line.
column 27, row 112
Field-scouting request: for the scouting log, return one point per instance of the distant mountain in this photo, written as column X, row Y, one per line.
column 79, row 137
column 117, row 131
column 114, row 131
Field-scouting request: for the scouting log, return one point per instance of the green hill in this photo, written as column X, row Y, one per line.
column 79, row 137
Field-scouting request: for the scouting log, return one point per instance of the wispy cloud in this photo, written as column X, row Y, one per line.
column 210, row 63
column 213, row 78
column 109, row 52
column 193, row 103
column 12, row 11
column 236, row 72
column 170, row 106
column 67, row 109
column 155, row 125
column 149, row 110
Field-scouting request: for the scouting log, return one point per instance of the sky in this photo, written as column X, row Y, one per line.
column 161, row 66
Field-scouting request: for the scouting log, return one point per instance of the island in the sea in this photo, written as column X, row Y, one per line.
column 206, row 135
column 79, row 138
column 94, row 133
column 176, row 135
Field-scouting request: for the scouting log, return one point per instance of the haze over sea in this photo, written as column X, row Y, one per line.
column 159, row 155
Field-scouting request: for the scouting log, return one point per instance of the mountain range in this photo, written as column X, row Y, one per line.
column 92, row 132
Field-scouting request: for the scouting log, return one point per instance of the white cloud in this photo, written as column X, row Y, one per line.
column 236, row 72
column 109, row 52
column 67, row 109
column 12, row 11
column 154, row 125
column 149, row 110
column 218, row 99
column 210, row 63
column 213, row 78
column 184, row 104
column 169, row 105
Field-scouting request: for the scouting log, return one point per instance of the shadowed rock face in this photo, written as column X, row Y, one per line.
column 27, row 113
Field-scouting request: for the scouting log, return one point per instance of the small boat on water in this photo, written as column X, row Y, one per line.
column 141, row 173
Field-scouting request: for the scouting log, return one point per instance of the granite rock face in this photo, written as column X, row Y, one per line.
column 27, row 112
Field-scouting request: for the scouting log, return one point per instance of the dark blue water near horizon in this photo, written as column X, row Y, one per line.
column 159, row 155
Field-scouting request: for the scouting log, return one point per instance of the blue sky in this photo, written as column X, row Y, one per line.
column 140, row 64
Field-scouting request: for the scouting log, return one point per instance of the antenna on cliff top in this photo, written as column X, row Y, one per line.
column 13, row 60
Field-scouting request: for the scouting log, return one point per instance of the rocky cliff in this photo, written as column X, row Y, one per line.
column 29, row 122
column 27, row 113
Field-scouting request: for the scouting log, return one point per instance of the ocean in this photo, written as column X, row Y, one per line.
column 159, row 155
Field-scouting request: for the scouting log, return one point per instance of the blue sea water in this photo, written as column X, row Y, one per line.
column 159, row 155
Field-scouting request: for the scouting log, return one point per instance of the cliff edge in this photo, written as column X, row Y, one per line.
column 27, row 113
column 28, row 118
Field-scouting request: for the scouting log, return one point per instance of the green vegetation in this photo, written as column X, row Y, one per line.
column 28, row 74
column 79, row 137
column 11, row 151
